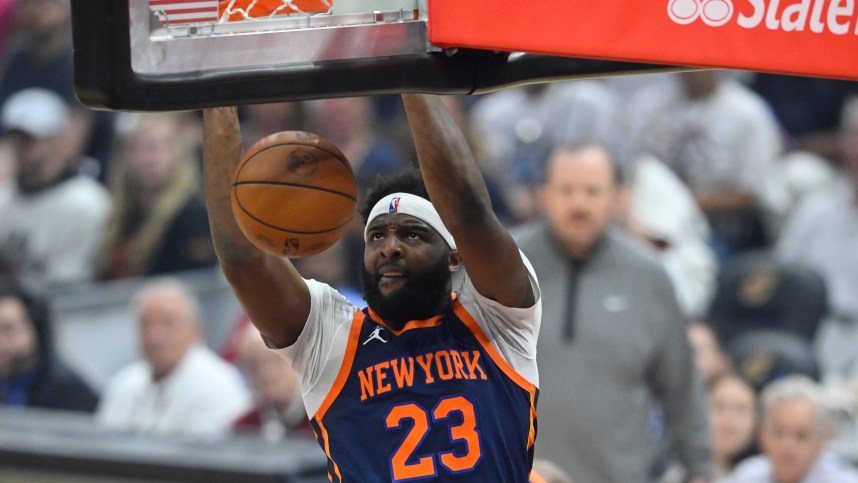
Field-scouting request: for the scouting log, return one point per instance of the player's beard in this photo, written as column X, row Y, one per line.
column 423, row 295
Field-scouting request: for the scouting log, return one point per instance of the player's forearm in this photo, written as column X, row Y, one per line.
column 451, row 174
column 221, row 153
column 269, row 289
column 458, row 192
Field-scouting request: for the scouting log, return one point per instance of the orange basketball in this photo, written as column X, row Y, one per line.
column 294, row 194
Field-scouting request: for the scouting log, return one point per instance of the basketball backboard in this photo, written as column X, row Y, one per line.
column 151, row 55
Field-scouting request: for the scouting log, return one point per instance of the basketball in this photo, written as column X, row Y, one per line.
column 293, row 194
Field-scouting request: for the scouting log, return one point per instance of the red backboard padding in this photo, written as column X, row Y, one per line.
column 803, row 37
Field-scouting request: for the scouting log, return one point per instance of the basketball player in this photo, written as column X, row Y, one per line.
column 422, row 384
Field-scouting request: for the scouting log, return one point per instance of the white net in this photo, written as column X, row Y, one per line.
column 261, row 9
column 205, row 17
column 176, row 36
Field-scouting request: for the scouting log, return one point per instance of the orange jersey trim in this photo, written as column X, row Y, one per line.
column 345, row 367
column 536, row 478
column 411, row 324
column 504, row 366
column 498, row 359
column 328, row 450
column 531, row 433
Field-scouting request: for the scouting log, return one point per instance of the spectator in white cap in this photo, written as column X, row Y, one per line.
column 37, row 112
column 42, row 57
column 35, row 121
column 54, row 217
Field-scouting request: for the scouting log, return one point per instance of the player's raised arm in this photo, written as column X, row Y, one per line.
column 270, row 290
column 457, row 189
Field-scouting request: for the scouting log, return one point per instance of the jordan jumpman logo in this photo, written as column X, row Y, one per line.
column 376, row 334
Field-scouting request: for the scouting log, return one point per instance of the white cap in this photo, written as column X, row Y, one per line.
column 38, row 112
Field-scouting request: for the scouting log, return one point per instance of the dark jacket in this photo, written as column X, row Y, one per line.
column 51, row 384
column 58, row 387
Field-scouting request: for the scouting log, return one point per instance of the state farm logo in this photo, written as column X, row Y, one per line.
column 836, row 17
column 713, row 13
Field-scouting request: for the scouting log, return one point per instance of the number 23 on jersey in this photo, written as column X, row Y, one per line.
column 453, row 412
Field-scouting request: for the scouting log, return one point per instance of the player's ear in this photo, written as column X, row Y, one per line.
column 455, row 261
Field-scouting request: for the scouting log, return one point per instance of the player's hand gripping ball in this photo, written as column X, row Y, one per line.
column 293, row 194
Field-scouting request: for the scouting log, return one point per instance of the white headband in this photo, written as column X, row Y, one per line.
column 408, row 204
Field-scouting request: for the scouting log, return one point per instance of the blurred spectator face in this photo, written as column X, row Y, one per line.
column 791, row 438
column 37, row 124
column 732, row 416
column 153, row 150
column 579, row 196
column 271, row 377
column 710, row 359
column 37, row 162
column 341, row 118
column 274, row 117
column 37, row 18
column 18, row 340
column 699, row 83
column 168, row 329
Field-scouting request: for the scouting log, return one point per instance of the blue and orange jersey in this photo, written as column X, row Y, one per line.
column 433, row 401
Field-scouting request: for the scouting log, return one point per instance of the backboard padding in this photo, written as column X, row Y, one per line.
column 818, row 38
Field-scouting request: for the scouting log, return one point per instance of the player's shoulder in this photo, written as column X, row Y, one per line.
column 325, row 294
column 330, row 311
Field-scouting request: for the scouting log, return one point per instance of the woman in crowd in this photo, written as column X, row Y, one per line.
column 733, row 422
column 159, row 223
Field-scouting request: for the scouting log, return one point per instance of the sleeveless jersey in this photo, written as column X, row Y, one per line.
column 433, row 401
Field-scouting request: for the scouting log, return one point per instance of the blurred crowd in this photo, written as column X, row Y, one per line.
column 743, row 186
